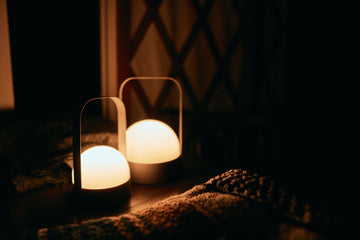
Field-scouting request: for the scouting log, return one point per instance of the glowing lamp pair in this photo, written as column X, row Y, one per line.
column 146, row 152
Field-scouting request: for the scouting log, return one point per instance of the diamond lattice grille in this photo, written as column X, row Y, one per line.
column 203, row 44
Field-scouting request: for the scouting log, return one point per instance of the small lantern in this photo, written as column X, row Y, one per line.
column 101, row 173
column 153, row 147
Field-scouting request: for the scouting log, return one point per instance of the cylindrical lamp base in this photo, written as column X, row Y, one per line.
column 101, row 199
column 152, row 173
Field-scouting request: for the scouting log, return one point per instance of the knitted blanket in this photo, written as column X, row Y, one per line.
column 234, row 205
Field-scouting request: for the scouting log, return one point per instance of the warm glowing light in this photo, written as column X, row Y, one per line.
column 151, row 141
column 103, row 167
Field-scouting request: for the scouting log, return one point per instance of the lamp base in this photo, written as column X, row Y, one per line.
column 152, row 173
column 101, row 199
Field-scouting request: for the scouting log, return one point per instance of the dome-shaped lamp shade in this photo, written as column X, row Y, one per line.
column 103, row 167
column 151, row 141
column 152, row 148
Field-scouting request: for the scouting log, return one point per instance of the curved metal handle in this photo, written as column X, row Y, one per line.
column 159, row 78
column 121, row 127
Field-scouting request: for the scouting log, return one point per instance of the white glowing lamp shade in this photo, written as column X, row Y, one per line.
column 151, row 141
column 103, row 167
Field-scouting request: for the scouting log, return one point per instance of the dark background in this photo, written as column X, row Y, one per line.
column 55, row 53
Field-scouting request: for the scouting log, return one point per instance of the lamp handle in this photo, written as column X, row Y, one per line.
column 160, row 78
column 121, row 127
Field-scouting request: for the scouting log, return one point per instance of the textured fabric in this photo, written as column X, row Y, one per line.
column 235, row 203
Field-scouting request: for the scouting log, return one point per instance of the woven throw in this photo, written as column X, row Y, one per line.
column 234, row 205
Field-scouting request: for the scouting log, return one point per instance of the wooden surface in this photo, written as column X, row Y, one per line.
column 7, row 100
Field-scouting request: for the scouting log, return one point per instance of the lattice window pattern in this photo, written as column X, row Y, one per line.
column 208, row 46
